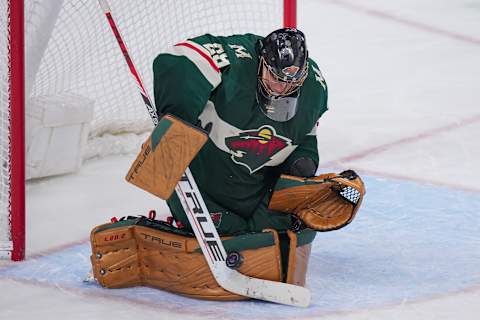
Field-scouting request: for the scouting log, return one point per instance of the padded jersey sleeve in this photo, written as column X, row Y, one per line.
column 183, row 79
column 187, row 73
column 307, row 149
column 318, row 98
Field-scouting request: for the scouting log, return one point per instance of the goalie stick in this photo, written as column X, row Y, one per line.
column 202, row 225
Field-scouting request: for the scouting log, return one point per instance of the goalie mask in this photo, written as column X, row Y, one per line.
column 283, row 67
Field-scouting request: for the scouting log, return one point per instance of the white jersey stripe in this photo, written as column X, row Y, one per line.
column 314, row 130
column 201, row 58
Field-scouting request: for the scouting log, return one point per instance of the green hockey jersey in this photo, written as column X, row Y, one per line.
column 211, row 81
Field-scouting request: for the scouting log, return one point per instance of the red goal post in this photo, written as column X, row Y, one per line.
column 13, row 154
column 44, row 61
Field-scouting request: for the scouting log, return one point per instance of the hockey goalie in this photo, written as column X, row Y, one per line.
column 241, row 112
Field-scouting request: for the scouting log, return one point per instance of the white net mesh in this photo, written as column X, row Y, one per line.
column 4, row 126
column 70, row 50
column 82, row 55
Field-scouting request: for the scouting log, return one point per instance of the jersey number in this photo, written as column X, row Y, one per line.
column 218, row 54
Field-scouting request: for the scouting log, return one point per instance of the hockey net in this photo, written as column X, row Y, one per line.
column 70, row 53
column 5, row 243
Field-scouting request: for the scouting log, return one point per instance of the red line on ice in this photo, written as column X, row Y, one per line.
column 407, row 22
column 423, row 135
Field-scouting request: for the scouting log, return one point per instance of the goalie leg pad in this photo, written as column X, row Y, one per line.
column 143, row 252
column 115, row 256
column 165, row 156
column 299, row 255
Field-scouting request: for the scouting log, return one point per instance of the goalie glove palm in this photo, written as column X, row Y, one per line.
column 324, row 203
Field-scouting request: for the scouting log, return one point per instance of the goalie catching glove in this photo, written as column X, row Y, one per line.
column 324, row 203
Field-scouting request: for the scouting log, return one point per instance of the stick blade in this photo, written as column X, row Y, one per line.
column 272, row 291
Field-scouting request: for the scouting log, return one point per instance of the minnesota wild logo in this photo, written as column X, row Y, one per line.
column 254, row 148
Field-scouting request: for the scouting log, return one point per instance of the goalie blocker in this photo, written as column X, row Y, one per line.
column 139, row 251
column 165, row 156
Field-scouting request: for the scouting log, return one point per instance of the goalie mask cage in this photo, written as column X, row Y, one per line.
column 65, row 49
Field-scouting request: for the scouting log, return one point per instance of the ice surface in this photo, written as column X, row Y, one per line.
column 404, row 97
column 410, row 242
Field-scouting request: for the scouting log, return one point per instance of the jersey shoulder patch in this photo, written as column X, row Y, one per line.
column 314, row 92
column 316, row 73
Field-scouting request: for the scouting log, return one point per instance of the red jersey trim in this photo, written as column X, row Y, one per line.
column 200, row 52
